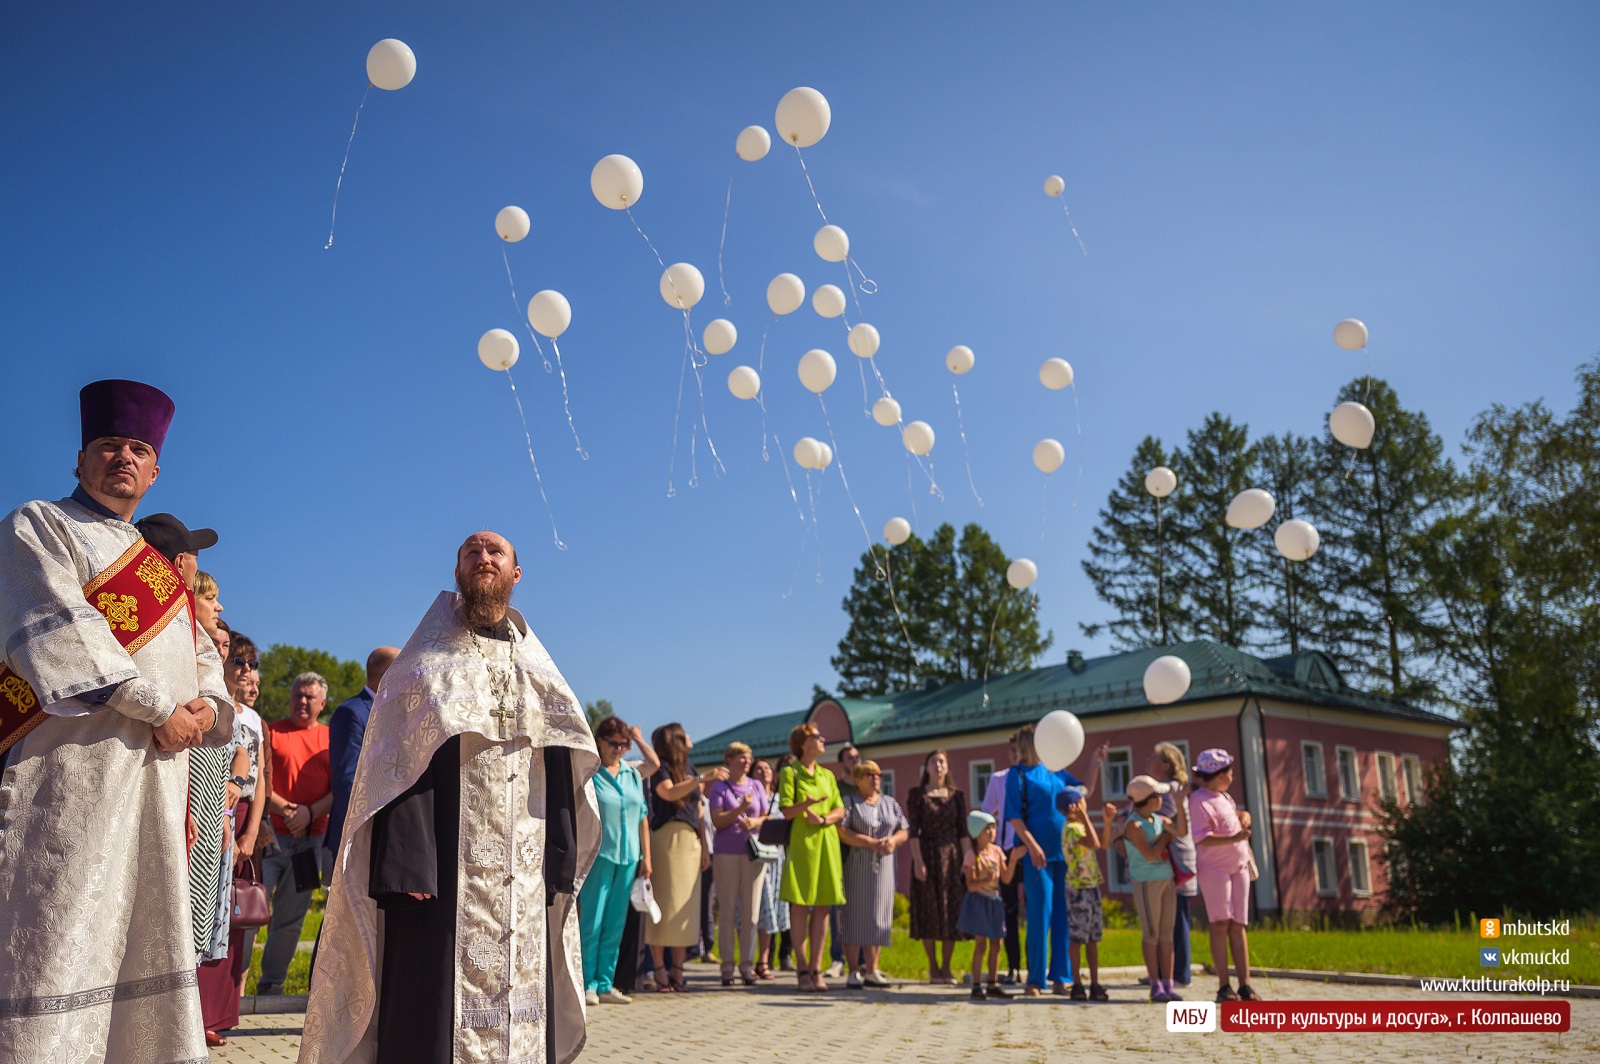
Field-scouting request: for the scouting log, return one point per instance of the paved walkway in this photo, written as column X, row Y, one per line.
column 940, row 1025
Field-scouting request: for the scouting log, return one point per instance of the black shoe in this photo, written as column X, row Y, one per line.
column 1227, row 994
column 977, row 992
column 1079, row 992
column 1246, row 994
column 995, row 990
column 1098, row 993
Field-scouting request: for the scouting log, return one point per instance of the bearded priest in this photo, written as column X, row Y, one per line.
column 451, row 932
column 105, row 686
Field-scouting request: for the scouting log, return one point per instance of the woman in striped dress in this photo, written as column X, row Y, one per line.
column 874, row 826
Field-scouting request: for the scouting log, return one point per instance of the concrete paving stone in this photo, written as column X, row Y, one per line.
column 917, row 1023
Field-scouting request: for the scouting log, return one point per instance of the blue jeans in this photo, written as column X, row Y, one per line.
column 1046, row 891
column 1180, row 943
column 602, row 916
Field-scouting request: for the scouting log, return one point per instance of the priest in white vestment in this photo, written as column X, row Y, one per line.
column 451, row 932
column 106, row 686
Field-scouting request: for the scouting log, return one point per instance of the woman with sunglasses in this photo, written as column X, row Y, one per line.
column 624, row 855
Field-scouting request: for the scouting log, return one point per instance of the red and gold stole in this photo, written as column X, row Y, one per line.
column 138, row 595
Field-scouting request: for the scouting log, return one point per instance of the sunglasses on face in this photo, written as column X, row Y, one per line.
column 620, row 744
column 245, row 663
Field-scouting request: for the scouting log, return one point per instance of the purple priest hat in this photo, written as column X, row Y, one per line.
column 125, row 408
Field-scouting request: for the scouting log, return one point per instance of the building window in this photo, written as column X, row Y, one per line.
column 1115, row 772
column 887, row 782
column 1322, row 860
column 979, row 773
column 1411, row 768
column 1349, row 777
column 1315, row 768
column 1360, row 868
column 1388, row 790
column 1117, row 865
column 1183, row 748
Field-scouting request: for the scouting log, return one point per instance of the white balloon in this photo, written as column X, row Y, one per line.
column 617, row 182
column 753, row 144
column 918, row 437
column 498, row 349
column 1160, row 482
column 1166, row 680
column 1055, row 374
column 959, row 359
column 1352, row 425
column 1350, row 334
column 512, row 224
column 897, row 531
column 817, row 370
column 826, row 458
column 863, row 341
column 785, row 293
column 391, row 64
column 720, row 336
column 1251, row 508
column 831, row 243
column 1297, row 540
column 549, row 313
column 1058, row 739
column 828, row 301
column 808, row 453
column 682, row 285
column 1021, row 573
column 1054, row 185
column 803, row 117
column 1048, row 455
column 886, row 412
column 744, row 382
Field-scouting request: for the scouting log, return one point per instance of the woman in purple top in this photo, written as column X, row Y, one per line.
column 738, row 809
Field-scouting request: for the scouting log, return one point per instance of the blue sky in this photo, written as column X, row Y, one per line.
column 1243, row 176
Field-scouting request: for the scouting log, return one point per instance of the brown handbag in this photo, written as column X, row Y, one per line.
column 252, row 905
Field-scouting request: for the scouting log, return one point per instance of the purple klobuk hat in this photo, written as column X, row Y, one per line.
column 1213, row 760
column 125, row 408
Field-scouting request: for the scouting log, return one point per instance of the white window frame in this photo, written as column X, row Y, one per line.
column 1118, row 879
column 1355, row 768
column 1360, row 867
column 886, row 781
column 1392, row 792
column 1411, row 772
column 1318, row 787
column 1331, row 889
column 977, row 794
column 1110, row 794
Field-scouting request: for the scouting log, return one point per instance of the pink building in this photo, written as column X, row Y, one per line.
column 1315, row 757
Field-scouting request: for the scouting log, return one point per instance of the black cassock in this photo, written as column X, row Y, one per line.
column 414, row 847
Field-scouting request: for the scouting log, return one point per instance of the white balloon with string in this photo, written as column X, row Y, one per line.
column 817, row 370
column 802, row 119
column 512, row 225
column 1054, row 186
column 1056, row 374
column 1166, row 680
column 498, row 350
column 959, row 360
column 1296, row 539
column 863, row 340
column 918, row 437
column 1352, row 424
column 1159, row 483
column 886, row 412
column 1250, row 509
column 744, row 382
column 1058, row 739
column 719, row 336
column 391, row 65
column 828, row 301
column 751, row 145
column 896, row 531
column 1351, row 335
column 831, row 244
column 1020, row 575
column 785, row 295
column 682, row 286
column 549, row 314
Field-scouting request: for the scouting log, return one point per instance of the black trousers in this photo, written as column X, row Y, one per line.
column 1009, row 898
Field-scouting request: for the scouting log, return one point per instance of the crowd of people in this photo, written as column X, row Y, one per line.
column 768, row 867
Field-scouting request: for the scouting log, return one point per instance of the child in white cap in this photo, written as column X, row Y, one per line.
column 1148, row 834
column 983, row 914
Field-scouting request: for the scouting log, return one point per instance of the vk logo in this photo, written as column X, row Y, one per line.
column 1489, row 956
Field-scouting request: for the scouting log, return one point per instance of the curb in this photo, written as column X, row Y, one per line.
column 1412, row 982
column 272, row 1004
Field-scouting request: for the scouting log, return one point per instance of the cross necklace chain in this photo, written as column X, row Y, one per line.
column 499, row 685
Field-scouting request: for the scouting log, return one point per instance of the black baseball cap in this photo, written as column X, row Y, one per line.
column 172, row 537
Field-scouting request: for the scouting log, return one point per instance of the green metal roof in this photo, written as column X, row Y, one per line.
column 1099, row 686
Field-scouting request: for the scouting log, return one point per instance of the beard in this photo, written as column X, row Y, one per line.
column 483, row 602
column 118, row 488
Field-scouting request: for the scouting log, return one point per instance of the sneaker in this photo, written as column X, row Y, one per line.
column 615, row 997
column 876, row 978
column 855, row 982
column 1226, row 993
column 835, row 970
column 1098, row 993
column 995, row 990
column 590, row 997
column 977, row 992
column 1246, row 994
column 1079, row 992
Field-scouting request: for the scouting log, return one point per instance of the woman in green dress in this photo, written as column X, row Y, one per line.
column 813, row 878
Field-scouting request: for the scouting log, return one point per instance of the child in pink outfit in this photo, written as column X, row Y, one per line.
column 1222, row 859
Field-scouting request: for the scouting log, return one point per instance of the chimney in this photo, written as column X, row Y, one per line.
column 1075, row 662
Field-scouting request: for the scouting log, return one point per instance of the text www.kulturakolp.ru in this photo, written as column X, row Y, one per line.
column 1489, row 985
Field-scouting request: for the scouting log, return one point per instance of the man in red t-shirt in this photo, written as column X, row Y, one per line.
column 302, row 794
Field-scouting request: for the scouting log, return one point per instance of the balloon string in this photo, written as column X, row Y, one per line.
column 814, row 199
column 566, row 402
column 849, row 279
column 866, row 403
column 872, row 548
column 727, row 205
column 888, row 577
column 1077, row 417
column 761, row 362
column 786, row 475
column 629, row 212
column 915, row 524
column 1367, row 396
column 814, row 525
column 700, row 387
column 1074, row 229
column 677, row 413
column 799, row 558
column 962, row 428
column 515, row 302
column 990, row 655
column 340, row 183
column 536, row 478
column 926, row 467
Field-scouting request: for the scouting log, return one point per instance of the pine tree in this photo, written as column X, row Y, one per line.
column 1212, row 583
column 1293, row 601
column 1129, row 557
